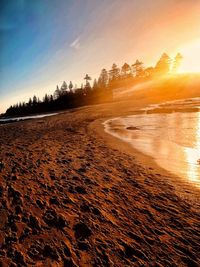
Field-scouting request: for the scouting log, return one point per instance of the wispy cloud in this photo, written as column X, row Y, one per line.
column 75, row 44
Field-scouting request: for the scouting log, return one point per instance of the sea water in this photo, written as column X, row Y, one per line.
column 4, row 120
column 171, row 139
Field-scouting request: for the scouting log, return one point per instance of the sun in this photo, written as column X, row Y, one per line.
column 191, row 57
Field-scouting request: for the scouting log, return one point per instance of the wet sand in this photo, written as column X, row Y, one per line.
column 171, row 139
column 72, row 195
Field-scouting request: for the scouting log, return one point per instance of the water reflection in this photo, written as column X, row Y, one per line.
column 4, row 120
column 173, row 140
column 193, row 155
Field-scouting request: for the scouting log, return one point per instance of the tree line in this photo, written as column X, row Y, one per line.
column 70, row 96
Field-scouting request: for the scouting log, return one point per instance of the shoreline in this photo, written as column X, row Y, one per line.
column 9, row 120
column 184, row 189
column 142, row 132
column 73, row 195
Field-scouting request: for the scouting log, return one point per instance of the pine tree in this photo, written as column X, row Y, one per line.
column 103, row 79
column 114, row 73
column 63, row 88
column 51, row 98
column 57, row 93
column 70, row 86
column 177, row 62
column 87, row 78
column 163, row 66
column 125, row 70
column 95, row 85
column 137, row 68
column 30, row 102
column 34, row 100
column 46, row 99
column 148, row 72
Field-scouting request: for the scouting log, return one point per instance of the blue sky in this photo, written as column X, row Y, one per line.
column 44, row 42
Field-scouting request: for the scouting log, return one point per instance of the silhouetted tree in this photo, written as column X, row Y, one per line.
column 70, row 86
column 148, row 72
column 51, row 98
column 64, row 98
column 63, row 88
column 34, row 100
column 46, row 99
column 114, row 73
column 126, row 70
column 30, row 102
column 163, row 65
column 137, row 68
column 177, row 62
column 95, row 85
column 57, row 93
column 87, row 78
column 103, row 79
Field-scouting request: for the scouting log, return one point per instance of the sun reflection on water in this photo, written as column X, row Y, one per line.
column 193, row 155
column 173, row 140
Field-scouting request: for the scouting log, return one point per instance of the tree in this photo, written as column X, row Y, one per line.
column 177, row 62
column 114, row 73
column 46, row 99
column 57, row 93
column 107, row 82
column 34, row 100
column 63, row 88
column 30, row 102
column 148, row 72
column 70, row 86
column 163, row 66
column 87, row 78
column 126, row 69
column 103, row 79
column 137, row 68
column 95, row 85
column 51, row 98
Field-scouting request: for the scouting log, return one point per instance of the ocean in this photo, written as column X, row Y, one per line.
column 14, row 119
column 168, row 132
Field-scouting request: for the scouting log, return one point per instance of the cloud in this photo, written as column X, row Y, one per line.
column 75, row 44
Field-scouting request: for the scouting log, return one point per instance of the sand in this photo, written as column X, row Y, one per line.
column 72, row 195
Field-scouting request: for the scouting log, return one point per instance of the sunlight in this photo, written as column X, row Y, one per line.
column 193, row 156
column 191, row 58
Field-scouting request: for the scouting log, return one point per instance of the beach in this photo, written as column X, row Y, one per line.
column 167, row 132
column 73, row 195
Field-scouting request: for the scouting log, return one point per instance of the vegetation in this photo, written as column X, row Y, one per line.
column 69, row 96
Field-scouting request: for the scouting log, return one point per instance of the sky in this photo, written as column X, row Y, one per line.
column 44, row 42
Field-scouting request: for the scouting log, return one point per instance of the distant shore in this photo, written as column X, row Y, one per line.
column 73, row 195
column 9, row 119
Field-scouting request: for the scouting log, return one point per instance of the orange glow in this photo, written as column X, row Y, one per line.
column 191, row 57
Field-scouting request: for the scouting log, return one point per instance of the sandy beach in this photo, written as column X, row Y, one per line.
column 73, row 195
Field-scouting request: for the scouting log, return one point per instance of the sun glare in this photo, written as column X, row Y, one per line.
column 191, row 57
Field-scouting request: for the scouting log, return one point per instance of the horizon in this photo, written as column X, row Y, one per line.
column 43, row 43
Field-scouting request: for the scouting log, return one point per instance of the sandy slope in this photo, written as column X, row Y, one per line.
column 72, row 196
